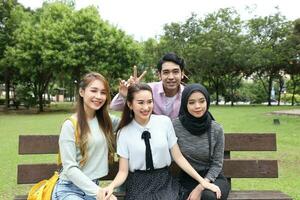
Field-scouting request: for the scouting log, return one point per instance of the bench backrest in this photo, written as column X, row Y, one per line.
column 233, row 168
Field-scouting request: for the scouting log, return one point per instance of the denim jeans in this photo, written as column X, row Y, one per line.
column 66, row 190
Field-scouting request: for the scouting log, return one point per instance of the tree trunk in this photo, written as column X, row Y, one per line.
column 294, row 90
column 71, row 91
column 7, row 89
column 217, row 92
column 269, row 90
column 281, row 84
column 77, row 78
column 41, row 104
column 48, row 94
column 15, row 100
column 231, row 92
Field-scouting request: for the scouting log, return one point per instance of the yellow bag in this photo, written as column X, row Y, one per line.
column 43, row 189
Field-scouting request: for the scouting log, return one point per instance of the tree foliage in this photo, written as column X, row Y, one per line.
column 58, row 40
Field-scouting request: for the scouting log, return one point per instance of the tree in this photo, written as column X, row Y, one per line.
column 268, row 33
column 292, row 50
column 58, row 40
column 215, row 50
column 37, row 51
column 11, row 16
column 150, row 55
column 98, row 46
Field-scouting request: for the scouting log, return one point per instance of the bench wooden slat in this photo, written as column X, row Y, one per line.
column 258, row 195
column 250, row 142
column 48, row 144
column 250, row 168
column 32, row 173
column 38, row 144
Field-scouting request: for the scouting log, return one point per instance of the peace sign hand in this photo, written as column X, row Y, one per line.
column 135, row 79
column 123, row 85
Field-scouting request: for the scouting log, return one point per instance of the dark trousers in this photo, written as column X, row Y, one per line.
column 188, row 184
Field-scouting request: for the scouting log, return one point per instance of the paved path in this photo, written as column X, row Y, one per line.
column 287, row 112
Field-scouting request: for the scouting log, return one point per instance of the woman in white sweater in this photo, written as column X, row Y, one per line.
column 85, row 143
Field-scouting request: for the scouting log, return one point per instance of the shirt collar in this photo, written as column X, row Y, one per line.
column 140, row 127
column 161, row 89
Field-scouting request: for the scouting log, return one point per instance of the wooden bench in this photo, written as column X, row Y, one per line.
column 233, row 168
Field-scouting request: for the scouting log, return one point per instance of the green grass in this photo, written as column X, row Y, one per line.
column 257, row 119
column 233, row 119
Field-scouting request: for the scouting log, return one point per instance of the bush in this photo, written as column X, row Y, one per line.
column 253, row 92
column 25, row 96
column 2, row 101
column 288, row 98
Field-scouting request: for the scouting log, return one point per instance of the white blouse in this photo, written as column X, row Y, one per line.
column 131, row 146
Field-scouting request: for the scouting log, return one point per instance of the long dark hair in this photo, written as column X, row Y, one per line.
column 102, row 115
column 127, row 114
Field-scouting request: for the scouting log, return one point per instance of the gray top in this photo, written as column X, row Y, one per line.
column 97, row 163
column 131, row 146
column 195, row 148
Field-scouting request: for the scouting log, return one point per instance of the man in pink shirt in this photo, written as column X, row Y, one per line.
column 166, row 93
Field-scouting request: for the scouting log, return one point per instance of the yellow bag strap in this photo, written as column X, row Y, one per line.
column 74, row 123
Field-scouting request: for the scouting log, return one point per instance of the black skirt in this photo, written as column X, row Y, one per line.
column 156, row 184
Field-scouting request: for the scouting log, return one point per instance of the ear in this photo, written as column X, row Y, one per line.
column 182, row 75
column 81, row 92
column 129, row 105
column 159, row 75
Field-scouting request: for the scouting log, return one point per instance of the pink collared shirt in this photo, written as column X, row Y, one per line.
column 159, row 99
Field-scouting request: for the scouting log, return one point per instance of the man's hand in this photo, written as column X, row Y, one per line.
column 123, row 85
column 135, row 79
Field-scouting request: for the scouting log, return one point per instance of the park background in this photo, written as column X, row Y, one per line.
column 243, row 63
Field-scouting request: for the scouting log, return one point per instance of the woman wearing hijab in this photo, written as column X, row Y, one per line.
column 201, row 140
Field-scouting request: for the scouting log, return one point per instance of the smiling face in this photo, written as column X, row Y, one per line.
column 170, row 76
column 197, row 104
column 142, row 106
column 94, row 97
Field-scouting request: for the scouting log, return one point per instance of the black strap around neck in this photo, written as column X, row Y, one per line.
column 149, row 161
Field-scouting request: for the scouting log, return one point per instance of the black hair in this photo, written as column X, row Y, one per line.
column 171, row 57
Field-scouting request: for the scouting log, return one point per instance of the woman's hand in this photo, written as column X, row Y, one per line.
column 100, row 194
column 113, row 197
column 108, row 192
column 196, row 193
column 212, row 187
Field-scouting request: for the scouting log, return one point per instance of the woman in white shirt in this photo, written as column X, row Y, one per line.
column 145, row 144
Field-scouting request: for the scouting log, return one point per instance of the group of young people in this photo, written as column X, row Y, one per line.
column 160, row 122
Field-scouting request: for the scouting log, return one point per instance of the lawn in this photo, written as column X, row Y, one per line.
column 233, row 119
